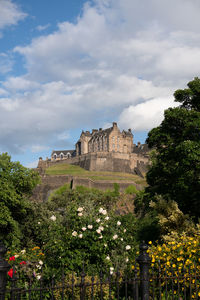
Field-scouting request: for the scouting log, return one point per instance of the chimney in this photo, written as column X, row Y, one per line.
column 114, row 124
column 94, row 130
column 129, row 130
column 100, row 129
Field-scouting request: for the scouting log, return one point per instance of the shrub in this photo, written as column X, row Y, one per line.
column 131, row 190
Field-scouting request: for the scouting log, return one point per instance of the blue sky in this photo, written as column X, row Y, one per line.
column 69, row 65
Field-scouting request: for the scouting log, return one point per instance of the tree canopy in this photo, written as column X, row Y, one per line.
column 175, row 170
column 16, row 184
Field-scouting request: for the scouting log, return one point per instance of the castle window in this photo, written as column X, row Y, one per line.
column 55, row 156
column 61, row 156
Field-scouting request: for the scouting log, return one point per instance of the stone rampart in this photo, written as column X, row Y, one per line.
column 104, row 161
column 50, row 183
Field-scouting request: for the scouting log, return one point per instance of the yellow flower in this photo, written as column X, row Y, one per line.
column 150, row 242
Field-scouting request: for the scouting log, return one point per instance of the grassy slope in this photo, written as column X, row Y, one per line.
column 66, row 169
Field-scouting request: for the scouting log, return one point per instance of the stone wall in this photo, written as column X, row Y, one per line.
column 50, row 183
column 104, row 161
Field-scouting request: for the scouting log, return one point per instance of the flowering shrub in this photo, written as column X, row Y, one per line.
column 92, row 235
column 27, row 263
column 179, row 258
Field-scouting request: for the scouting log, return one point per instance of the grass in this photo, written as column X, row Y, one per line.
column 66, row 169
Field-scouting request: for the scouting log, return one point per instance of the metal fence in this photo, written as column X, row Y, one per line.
column 142, row 283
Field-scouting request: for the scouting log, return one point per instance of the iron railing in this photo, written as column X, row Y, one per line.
column 143, row 283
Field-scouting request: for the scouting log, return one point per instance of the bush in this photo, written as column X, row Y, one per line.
column 131, row 190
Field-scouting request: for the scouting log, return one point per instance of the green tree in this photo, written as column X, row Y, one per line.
column 175, row 170
column 16, row 184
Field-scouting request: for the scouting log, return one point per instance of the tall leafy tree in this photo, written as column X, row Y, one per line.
column 16, row 184
column 175, row 170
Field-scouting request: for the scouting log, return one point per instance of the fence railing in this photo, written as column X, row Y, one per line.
column 142, row 283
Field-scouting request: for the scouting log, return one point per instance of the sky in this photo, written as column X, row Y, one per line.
column 73, row 65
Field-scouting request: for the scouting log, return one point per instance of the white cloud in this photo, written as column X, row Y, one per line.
column 42, row 27
column 10, row 13
column 6, row 63
column 145, row 115
column 121, row 60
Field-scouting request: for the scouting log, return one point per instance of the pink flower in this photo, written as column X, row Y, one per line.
column 22, row 262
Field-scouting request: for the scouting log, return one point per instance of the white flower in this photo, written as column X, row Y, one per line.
column 16, row 255
column 108, row 257
column 38, row 266
column 84, row 228
column 127, row 259
column 122, row 239
column 118, row 223
column 128, row 247
column 80, row 214
column 111, row 270
column 105, row 245
column 74, row 233
column 41, row 262
column 38, row 223
column 107, row 218
column 98, row 231
column 101, row 236
column 53, row 218
column 124, row 230
column 98, row 220
column 38, row 277
column 80, row 209
column 104, row 212
column 23, row 251
column 115, row 237
column 101, row 228
column 80, row 236
column 100, row 210
column 90, row 226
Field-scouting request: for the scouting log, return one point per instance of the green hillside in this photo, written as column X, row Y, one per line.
column 66, row 169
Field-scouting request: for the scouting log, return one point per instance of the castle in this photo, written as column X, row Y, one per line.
column 104, row 150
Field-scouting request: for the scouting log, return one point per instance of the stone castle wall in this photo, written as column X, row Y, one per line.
column 50, row 183
column 105, row 161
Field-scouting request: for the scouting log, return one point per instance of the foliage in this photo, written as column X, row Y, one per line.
column 159, row 218
column 88, row 234
column 171, row 219
column 178, row 257
column 175, row 170
column 131, row 190
column 80, row 225
column 16, row 184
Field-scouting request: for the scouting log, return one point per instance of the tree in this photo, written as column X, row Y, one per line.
column 175, row 170
column 16, row 184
